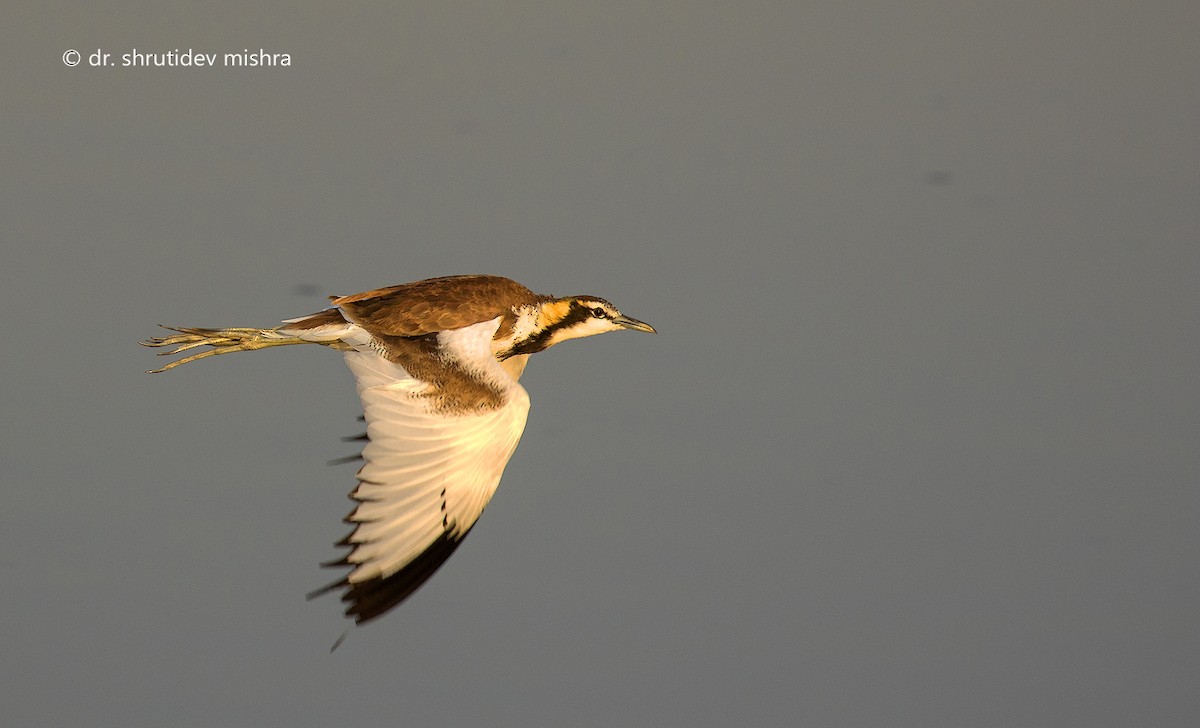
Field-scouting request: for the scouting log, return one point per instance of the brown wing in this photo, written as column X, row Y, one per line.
column 437, row 304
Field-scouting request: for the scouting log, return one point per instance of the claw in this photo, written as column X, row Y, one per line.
column 186, row 359
column 184, row 346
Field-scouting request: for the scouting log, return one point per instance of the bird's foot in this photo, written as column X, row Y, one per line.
column 223, row 341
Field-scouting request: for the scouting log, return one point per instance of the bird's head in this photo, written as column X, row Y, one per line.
column 578, row 316
column 559, row 319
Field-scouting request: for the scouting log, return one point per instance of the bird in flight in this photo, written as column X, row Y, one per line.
column 436, row 364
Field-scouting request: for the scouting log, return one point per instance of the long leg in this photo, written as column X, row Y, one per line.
column 223, row 341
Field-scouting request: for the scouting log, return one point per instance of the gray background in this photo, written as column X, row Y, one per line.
column 916, row 445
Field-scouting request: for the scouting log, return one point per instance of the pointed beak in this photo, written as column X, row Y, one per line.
column 632, row 323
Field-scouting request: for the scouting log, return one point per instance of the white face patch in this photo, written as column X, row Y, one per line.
column 587, row 327
column 541, row 326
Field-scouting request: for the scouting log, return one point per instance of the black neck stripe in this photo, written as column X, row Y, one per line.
column 541, row 340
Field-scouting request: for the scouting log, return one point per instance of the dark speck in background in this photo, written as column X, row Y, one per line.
column 937, row 178
column 306, row 289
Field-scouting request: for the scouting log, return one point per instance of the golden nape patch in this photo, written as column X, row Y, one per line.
column 552, row 312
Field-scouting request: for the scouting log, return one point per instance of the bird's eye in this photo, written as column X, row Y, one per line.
column 598, row 312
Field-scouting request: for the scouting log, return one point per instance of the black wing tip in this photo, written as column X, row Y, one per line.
column 322, row 591
column 373, row 598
